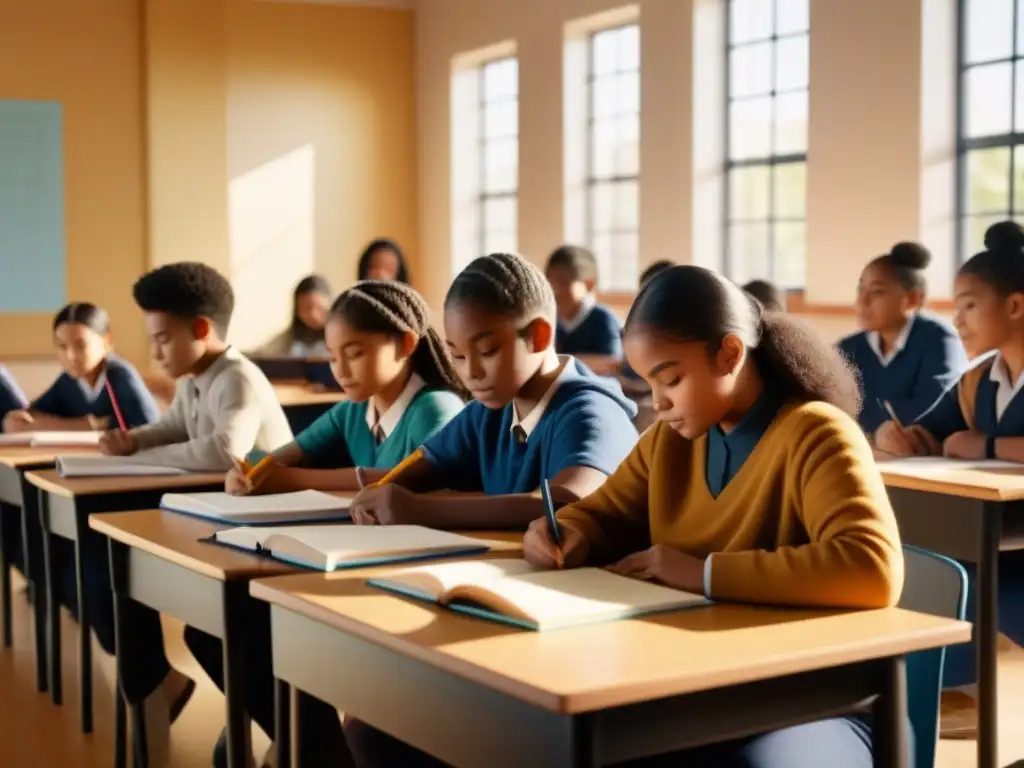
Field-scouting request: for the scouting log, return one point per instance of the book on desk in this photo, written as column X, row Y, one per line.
column 50, row 439
column 270, row 509
column 514, row 592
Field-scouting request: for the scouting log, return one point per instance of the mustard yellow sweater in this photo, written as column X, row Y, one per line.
column 805, row 521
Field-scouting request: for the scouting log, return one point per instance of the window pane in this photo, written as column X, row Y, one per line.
column 1018, row 179
column 974, row 233
column 988, row 181
column 626, row 160
column 791, row 190
column 606, row 96
column 629, row 48
column 604, row 52
column 750, row 127
column 501, row 80
column 749, row 20
column 790, row 254
column 791, row 64
column 501, row 120
column 1018, row 97
column 626, row 210
column 500, row 242
column 748, row 252
column 791, row 16
column 749, row 192
column 500, row 161
column 750, row 70
column 601, row 245
column 500, row 214
column 602, row 203
column 988, row 93
column 627, row 99
column 603, row 145
column 623, row 261
column 1020, row 31
column 989, row 29
column 791, row 123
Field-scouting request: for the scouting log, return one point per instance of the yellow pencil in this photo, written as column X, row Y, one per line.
column 404, row 464
column 254, row 473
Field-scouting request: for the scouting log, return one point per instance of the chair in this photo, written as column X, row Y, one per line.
column 937, row 585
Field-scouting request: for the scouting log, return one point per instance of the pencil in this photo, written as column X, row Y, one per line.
column 117, row 408
column 404, row 464
column 254, row 473
column 892, row 414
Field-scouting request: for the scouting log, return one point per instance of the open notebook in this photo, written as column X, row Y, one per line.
column 273, row 509
column 50, row 439
column 329, row 547
column 513, row 592
column 109, row 466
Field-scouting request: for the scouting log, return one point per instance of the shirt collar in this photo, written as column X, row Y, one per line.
column 587, row 305
column 875, row 342
column 528, row 424
column 388, row 420
column 203, row 381
column 745, row 436
column 998, row 374
column 93, row 392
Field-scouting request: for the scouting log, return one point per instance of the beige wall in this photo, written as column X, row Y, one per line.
column 868, row 114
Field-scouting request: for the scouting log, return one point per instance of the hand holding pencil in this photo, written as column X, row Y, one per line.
column 243, row 478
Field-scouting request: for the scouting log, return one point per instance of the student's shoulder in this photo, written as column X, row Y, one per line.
column 588, row 394
column 120, row 371
column 849, row 344
column 929, row 326
column 434, row 402
column 818, row 422
column 604, row 314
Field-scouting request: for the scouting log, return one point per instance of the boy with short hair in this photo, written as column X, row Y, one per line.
column 587, row 330
column 224, row 405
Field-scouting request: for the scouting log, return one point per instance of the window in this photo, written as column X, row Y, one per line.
column 613, row 154
column 499, row 155
column 766, row 140
column 990, row 172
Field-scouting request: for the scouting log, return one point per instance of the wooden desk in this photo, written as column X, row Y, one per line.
column 971, row 515
column 471, row 692
column 157, row 559
column 64, row 506
column 14, row 463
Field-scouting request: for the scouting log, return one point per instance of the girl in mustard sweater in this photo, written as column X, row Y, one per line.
column 755, row 485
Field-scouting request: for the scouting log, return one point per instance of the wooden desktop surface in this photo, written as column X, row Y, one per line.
column 22, row 456
column 982, row 484
column 611, row 664
column 176, row 537
column 298, row 393
column 69, row 487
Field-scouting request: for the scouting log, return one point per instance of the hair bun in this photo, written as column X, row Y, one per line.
column 910, row 255
column 1004, row 236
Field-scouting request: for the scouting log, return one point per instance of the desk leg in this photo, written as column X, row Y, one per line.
column 5, row 571
column 84, row 626
column 282, row 723
column 52, row 602
column 583, row 742
column 236, row 593
column 31, row 551
column 125, row 660
column 987, row 636
column 302, row 754
column 889, row 716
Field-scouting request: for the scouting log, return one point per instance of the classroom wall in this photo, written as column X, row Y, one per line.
column 874, row 105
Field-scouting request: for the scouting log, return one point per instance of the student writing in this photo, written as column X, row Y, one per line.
column 304, row 337
column 80, row 397
column 586, row 329
column 982, row 416
column 401, row 387
column 535, row 416
column 223, row 405
column 12, row 398
column 383, row 259
column 905, row 357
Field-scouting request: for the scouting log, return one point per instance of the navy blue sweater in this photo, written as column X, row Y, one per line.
column 66, row 399
column 931, row 360
column 11, row 396
column 598, row 334
column 946, row 417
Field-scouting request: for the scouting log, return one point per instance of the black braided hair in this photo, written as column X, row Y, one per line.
column 394, row 308
column 1001, row 264
column 505, row 284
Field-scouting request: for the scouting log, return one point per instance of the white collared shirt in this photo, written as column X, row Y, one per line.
column 1005, row 389
column 875, row 342
column 528, row 424
column 586, row 307
column 93, row 392
column 388, row 420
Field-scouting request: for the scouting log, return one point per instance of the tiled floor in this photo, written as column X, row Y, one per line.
column 35, row 734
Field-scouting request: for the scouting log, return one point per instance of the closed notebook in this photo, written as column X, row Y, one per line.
column 329, row 547
column 50, row 439
column 513, row 592
column 109, row 466
column 273, row 509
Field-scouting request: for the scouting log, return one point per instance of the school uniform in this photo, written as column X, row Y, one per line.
column 986, row 401
column 11, row 396
column 924, row 360
column 365, row 438
column 71, row 398
column 595, row 330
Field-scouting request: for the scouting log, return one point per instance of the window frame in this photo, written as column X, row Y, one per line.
column 485, row 196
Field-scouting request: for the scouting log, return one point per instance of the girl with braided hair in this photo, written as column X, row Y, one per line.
column 400, row 387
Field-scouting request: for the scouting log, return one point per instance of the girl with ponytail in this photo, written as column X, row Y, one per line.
column 400, row 389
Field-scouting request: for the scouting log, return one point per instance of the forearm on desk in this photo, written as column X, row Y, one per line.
column 1010, row 448
column 463, row 511
column 44, row 421
column 287, row 479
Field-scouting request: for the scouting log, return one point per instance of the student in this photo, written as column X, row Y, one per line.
column 586, row 329
column 383, row 260
column 537, row 415
column 80, row 399
column 305, row 336
column 981, row 417
column 767, row 293
column 655, row 268
column 905, row 357
column 11, row 396
column 632, row 383
column 401, row 387
column 223, row 405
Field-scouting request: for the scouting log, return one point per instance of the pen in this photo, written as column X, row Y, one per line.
column 892, row 414
column 549, row 507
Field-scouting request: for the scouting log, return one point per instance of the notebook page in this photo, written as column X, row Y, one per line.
column 253, row 507
column 353, row 542
column 438, row 579
column 935, row 466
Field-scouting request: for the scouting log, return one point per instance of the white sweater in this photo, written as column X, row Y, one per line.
column 227, row 410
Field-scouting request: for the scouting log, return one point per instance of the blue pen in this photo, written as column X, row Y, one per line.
column 549, row 507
